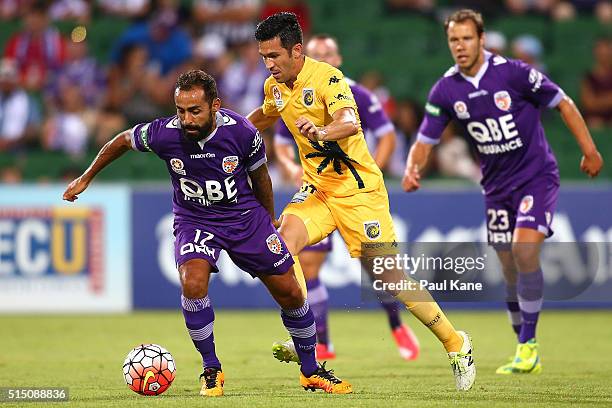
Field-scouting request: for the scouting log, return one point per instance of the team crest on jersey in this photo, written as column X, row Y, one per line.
column 372, row 229
column 461, row 110
column 229, row 164
column 178, row 166
column 526, row 204
column 308, row 96
column 502, row 100
column 278, row 97
column 274, row 244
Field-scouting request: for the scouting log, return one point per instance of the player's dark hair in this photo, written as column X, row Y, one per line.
column 283, row 25
column 464, row 15
column 196, row 78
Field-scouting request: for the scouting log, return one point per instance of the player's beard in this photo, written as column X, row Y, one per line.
column 203, row 130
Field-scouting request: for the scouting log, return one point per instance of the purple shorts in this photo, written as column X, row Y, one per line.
column 324, row 245
column 529, row 206
column 254, row 245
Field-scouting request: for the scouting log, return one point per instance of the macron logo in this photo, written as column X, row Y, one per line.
column 202, row 156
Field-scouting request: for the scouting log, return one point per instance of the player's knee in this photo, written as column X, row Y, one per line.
column 193, row 283
column 294, row 233
column 292, row 298
column 526, row 257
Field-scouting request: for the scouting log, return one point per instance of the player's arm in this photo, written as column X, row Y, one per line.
column 343, row 124
column 384, row 149
column 260, row 120
column 417, row 159
column 109, row 152
column 262, row 188
column 285, row 154
column 591, row 161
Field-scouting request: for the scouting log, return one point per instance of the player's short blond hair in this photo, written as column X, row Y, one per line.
column 463, row 15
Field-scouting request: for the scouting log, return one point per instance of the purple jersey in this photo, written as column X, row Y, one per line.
column 209, row 177
column 374, row 120
column 500, row 110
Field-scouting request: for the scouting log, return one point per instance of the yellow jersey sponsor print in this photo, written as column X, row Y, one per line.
column 340, row 168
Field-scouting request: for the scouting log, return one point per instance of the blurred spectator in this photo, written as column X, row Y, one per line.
column 373, row 80
column 80, row 69
column 407, row 119
column 563, row 11
column 233, row 20
column 603, row 12
column 168, row 46
column 298, row 7
column 241, row 86
column 11, row 175
column 530, row 6
column 421, row 6
column 38, row 48
column 132, row 89
column 529, row 49
column 133, row 9
column 17, row 111
column 495, row 42
column 9, row 9
column 74, row 10
column 68, row 128
column 596, row 88
column 210, row 55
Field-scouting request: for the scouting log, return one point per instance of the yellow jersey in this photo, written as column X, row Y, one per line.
column 339, row 168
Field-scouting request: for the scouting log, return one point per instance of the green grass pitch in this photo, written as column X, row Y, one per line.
column 85, row 353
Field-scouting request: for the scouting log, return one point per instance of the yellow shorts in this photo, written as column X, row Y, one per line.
column 360, row 218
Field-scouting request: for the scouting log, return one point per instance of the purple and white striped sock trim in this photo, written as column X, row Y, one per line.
column 299, row 312
column 318, row 295
column 530, row 306
column 195, row 305
column 302, row 333
column 201, row 334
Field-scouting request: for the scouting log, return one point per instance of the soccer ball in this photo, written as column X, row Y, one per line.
column 149, row 369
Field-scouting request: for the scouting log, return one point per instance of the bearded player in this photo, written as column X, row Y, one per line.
column 213, row 156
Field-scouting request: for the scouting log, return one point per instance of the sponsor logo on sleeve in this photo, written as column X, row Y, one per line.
column 229, row 164
column 461, row 110
column 372, row 229
column 535, row 79
column 333, row 80
column 502, row 100
column 432, row 109
column 178, row 166
column 144, row 131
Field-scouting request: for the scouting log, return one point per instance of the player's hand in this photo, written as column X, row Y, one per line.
column 411, row 179
column 76, row 187
column 591, row 164
column 277, row 223
column 307, row 128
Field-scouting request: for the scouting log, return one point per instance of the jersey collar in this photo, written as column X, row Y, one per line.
column 304, row 73
column 220, row 122
column 475, row 80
